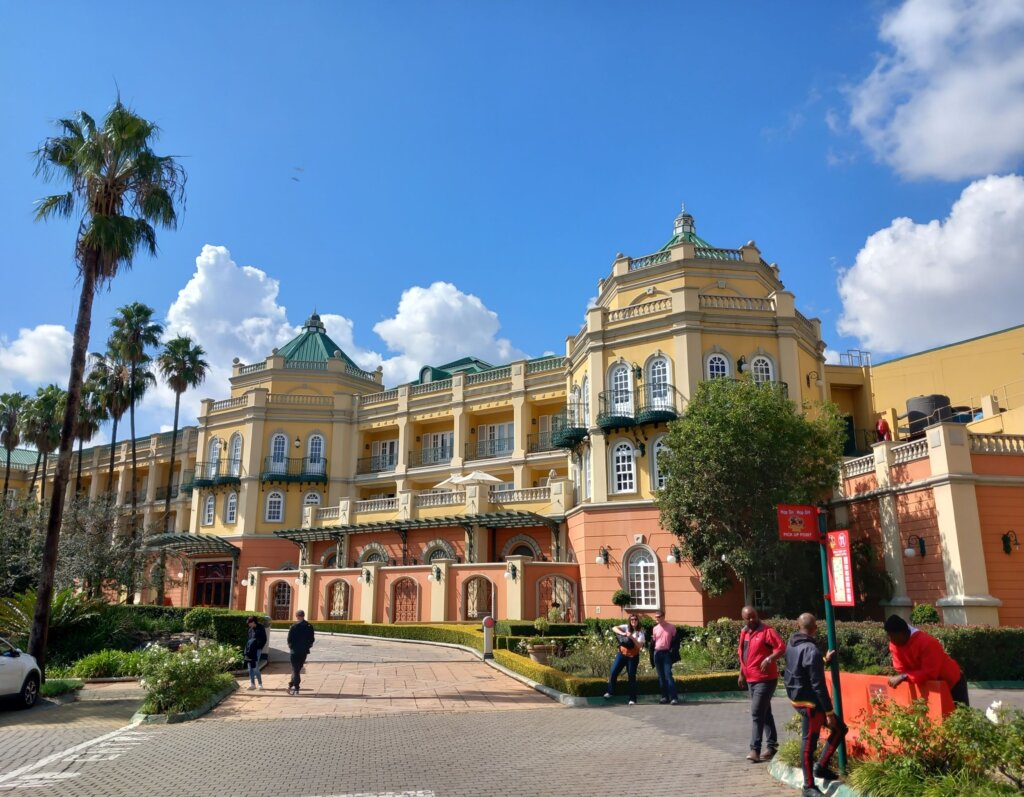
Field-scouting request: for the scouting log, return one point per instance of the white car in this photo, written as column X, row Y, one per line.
column 19, row 675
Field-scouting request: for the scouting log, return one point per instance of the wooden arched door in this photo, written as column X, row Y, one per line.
column 403, row 602
column 282, row 608
column 478, row 598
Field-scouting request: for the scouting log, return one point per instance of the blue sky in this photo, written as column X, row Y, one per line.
column 360, row 153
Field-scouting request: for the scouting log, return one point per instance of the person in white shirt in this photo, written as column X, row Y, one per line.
column 631, row 642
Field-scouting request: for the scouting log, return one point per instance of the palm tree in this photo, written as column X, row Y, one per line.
column 109, row 380
column 91, row 413
column 12, row 421
column 118, row 189
column 182, row 365
column 43, row 428
column 134, row 332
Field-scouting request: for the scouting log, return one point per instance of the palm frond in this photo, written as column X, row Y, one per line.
column 61, row 205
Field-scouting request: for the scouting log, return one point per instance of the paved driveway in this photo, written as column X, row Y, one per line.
column 350, row 677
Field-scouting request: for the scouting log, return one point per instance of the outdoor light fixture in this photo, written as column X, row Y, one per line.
column 741, row 364
column 675, row 555
column 602, row 556
column 434, row 574
column 1008, row 538
column 252, row 579
column 302, row 578
column 914, row 544
column 512, row 572
column 817, row 378
column 298, row 443
column 243, row 582
column 365, row 577
column 638, row 373
column 181, row 574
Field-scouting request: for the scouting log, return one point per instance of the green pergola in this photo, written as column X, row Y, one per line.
column 192, row 544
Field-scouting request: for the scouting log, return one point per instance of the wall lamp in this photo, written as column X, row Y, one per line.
column 366, row 577
column 298, row 443
column 817, row 378
column 248, row 581
column 638, row 373
column 434, row 574
column 512, row 572
column 741, row 364
column 675, row 555
column 302, row 578
column 1008, row 538
column 915, row 544
column 602, row 556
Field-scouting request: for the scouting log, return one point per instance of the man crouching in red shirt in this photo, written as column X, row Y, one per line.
column 759, row 648
column 919, row 657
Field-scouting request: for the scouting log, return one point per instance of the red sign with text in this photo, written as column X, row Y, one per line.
column 798, row 523
column 840, row 568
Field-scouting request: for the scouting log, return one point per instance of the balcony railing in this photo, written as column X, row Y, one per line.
column 161, row 492
column 217, row 472
column 489, row 449
column 377, row 505
column 520, row 496
column 540, row 441
column 425, row 457
column 657, row 403
column 569, row 427
column 616, row 409
column 187, row 481
column 452, row 498
column 381, row 463
column 294, row 469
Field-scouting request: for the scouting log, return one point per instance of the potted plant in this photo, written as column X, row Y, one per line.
column 622, row 598
column 538, row 646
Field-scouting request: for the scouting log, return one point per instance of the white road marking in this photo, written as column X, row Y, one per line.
column 420, row 793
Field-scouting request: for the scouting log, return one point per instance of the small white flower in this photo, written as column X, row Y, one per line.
column 992, row 712
column 718, row 639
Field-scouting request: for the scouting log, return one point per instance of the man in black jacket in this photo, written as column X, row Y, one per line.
column 805, row 685
column 300, row 640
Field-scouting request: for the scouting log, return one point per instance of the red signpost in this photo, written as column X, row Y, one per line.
column 798, row 523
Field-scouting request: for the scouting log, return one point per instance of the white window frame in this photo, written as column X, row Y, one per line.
column 212, row 457
column 586, row 400
column 587, row 473
column 235, row 455
column 622, row 394
column 315, row 464
column 279, row 453
column 231, row 508
column 727, row 364
column 312, row 498
column 622, row 453
column 267, row 505
column 658, row 379
column 764, row 362
column 657, row 477
column 209, row 510
column 643, row 583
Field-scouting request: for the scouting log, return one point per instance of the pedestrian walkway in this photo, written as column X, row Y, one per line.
column 349, row 677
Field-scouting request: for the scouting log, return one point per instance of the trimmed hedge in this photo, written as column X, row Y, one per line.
column 153, row 611
column 525, row 628
column 595, row 687
column 438, row 632
column 229, row 627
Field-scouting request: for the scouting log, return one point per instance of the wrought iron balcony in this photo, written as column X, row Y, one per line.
column 161, row 492
column 187, row 481
column 616, row 409
column 382, row 463
column 217, row 472
column 657, row 403
column 540, row 441
column 490, row 449
column 568, row 427
column 425, row 457
column 294, row 469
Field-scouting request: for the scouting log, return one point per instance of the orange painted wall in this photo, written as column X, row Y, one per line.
column 860, row 484
column 926, row 581
column 997, row 464
column 1001, row 509
column 911, row 471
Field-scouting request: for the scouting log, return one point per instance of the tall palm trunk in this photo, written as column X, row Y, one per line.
column 113, row 447
column 35, row 475
column 42, row 484
column 78, row 478
column 167, row 502
column 130, row 586
column 44, row 592
column 7, row 476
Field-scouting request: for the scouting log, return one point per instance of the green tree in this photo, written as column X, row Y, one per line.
column 91, row 413
column 741, row 449
column 13, row 407
column 133, row 332
column 182, row 365
column 42, row 428
column 108, row 379
column 117, row 189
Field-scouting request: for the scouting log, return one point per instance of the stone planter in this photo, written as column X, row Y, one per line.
column 540, row 653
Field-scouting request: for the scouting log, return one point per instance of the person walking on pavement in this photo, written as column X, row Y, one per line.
column 805, row 685
column 919, row 657
column 628, row 656
column 663, row 635
column 300, row 640
column 254, row 644
column 759, row 648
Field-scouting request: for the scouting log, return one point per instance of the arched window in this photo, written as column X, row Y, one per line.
column 557, row 592
column 585, row 390
column 438, row 549
column 278, row 453
column 622, row 393
column 337, row 601
column 316, row 463
column 521, row 550
column 282, row 602
column 275, row 507
column 717, row 366
column 212, row 457
column 657, row 382
column 657, row 474
column 623, row 468
column 575, row 408
column 521, row 545
column 587, row 473
column 642, row 578
column 235, row 455
column 477, row 598
column 373, row 556
column 761, row 368
column 437, row 553
column 231, row 508
column 208, row 510
column 312, row 498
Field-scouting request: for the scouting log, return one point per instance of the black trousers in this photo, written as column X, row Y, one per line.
column 298, row 660
column 959, row 692
column 812, row 721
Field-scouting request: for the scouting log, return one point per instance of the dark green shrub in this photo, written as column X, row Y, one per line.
column 526, row 628
column 622, row 598
column 199, row 621
column 925, row 614
column 450, row 633
column 228, row 627
column 109, row 664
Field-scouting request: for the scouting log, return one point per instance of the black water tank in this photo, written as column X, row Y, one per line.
column 925, row 411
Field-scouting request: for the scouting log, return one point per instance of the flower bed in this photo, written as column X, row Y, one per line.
column 183, row 681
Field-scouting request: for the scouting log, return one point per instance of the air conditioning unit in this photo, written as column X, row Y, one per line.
column 638, row 539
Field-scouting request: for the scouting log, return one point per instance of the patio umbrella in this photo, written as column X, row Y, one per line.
column 451, row 481
column 478, row 477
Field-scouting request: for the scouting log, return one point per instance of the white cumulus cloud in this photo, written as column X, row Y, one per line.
column 38, row 356
column 438, row 324
column 947, row 98
column 914, row 286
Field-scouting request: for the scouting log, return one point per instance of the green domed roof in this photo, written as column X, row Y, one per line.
column 313, row 345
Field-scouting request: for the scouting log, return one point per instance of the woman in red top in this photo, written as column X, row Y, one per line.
column 759, row 648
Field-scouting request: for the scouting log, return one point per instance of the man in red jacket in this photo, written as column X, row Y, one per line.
column 760, row 647
column 919, row 657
